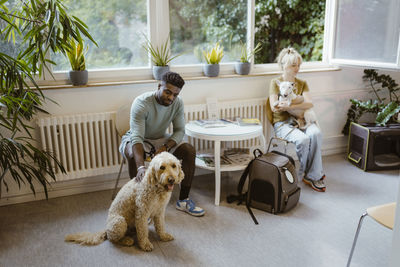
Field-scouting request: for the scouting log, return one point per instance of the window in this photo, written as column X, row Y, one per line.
column 279, row 24
column 196, row 24
column 117, row 26
column 363, row 32
column 373, row 38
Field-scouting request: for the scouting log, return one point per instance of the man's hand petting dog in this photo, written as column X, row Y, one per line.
column 140, row 174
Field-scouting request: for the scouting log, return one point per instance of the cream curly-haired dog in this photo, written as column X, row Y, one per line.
column 135, row 203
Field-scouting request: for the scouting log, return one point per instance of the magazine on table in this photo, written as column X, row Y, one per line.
column 209, row 159
column 248, row 121
column 211, row 123
column 238, row 156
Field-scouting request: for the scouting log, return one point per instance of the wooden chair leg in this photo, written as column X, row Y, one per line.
column 116, row 182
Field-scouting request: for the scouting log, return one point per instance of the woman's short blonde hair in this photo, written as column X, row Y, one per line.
column 288, row 56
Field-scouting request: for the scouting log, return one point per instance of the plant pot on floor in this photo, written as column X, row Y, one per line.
column 78, row 77
column 211, row 70
column 158, row 71
column 242, row 68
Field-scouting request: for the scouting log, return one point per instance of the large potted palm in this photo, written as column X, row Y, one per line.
column 76, row 56
column 43, row 26
column 160, row 56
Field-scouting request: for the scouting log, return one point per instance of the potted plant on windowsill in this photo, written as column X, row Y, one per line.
column 386, row 111
column 243, row 66
column 76, row 56
column 213, row 57
column 160, row 56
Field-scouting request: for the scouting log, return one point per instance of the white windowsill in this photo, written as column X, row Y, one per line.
column 192, row 72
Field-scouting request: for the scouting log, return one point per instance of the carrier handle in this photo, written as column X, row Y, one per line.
column 355, row 160
column 257, row 153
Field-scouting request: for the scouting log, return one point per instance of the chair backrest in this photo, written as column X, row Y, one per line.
column 122, row 119
column 269, row 111
column 383, row 214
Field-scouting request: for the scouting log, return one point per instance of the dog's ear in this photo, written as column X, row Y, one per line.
column 152, row 176
column 181, row 174
column 278, row 82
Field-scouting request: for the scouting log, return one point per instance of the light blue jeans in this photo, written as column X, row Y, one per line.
column 308, row 147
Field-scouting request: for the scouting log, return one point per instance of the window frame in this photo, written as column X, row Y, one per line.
column 158, row 30
column 333, row 14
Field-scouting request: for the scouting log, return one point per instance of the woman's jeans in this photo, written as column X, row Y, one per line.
column 308, row 147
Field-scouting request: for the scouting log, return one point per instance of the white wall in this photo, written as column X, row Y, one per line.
column 331, row 91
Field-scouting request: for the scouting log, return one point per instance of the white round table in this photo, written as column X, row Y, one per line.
column 230, row 132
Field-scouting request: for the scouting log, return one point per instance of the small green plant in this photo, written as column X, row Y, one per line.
column 214, row 55
column 76, row 54
column 246, row 54
column 160, row 56
column 385, row 109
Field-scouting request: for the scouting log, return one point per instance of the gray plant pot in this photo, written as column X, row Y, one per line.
column 211, row 70
column 78, row 77
column 242, row 68
column 158, row 71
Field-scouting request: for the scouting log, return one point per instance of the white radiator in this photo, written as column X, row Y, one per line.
column 87, row 144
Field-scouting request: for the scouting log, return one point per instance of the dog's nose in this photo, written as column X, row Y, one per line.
column 171, row 180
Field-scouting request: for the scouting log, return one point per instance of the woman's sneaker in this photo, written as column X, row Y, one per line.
column 318, row 185
column 188, row 206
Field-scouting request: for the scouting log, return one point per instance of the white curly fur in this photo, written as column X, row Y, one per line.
column 287, row 95
column 135, row 203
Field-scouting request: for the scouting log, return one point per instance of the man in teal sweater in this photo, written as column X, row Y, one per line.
column 151, row 115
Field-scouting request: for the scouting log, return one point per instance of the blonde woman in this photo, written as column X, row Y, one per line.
column 308, row 141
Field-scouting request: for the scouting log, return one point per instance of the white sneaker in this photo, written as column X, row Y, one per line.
column 188, row 206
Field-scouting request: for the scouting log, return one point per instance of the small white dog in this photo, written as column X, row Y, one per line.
column 135, row 203
column 286, row 96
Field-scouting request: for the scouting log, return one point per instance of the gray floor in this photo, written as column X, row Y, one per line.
column 318, row 232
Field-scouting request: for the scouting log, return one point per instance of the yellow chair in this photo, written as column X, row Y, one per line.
column 122, row 126
column 383, row 214
column 274, row 138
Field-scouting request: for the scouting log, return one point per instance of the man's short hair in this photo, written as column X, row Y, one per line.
column 173, row 78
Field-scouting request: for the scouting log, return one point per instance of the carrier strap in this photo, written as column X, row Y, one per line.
column 251, row 214
column 240, row 197
column 257, row 153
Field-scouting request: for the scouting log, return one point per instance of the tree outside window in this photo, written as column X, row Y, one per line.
column 295, row 23
column 117, row 27
column 196, row 24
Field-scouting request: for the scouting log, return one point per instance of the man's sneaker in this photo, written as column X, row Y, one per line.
column 318, row 185
column 188, row 206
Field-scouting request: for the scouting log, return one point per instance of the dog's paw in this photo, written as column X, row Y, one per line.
column 146, row 246
column 127, row 241
column 166, row 237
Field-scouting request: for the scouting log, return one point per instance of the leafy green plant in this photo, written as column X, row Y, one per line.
column 246, row 54
column 215, row 54
column 42, row 26
column 160, row 56
column 385, row 108
column 76, row 54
